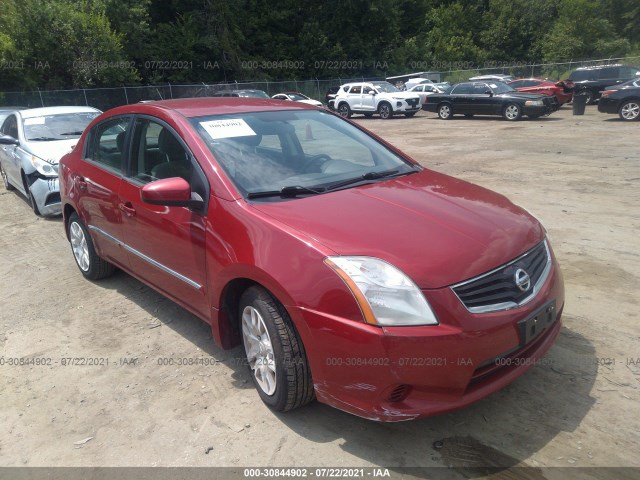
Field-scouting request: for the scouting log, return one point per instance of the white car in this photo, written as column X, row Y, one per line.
column 424, row 90
column 368, row 98
column 32, row 142
column 412, row 82
column 297, row 97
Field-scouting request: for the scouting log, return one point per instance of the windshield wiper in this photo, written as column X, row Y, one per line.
column 71, row 133
column 43, row 139
column 368, row 176
column 289, row 191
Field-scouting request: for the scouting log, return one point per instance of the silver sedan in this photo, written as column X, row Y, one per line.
column 32, row 142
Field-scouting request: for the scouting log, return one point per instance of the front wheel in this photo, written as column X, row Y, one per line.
column 90, row 264
column 512, row 112
column 445, row 112
column 344, row 110
column 630, row 110
column 275, row 353
column 385, row 111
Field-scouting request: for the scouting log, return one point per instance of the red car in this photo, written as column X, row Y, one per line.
column 562, row 90
column 347, row 271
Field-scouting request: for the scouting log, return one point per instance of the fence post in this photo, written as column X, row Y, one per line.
column 170, row 91
column 126, row 97
column 86, row 102
column 41, row 100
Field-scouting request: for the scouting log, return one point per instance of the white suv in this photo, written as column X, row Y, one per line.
column 375, row 97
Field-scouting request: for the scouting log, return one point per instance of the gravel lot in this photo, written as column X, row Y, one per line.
column 579, row 175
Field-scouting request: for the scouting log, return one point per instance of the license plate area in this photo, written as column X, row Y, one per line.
column 532, row 327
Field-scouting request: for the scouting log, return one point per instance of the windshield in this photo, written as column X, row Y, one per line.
column 61, row 126
column 308, row 151
column 385, row 87
column 499, row 87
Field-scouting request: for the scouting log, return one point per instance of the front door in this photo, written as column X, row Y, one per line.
column 166, row 245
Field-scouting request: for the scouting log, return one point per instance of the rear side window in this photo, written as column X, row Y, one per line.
column 582, row 75
column 106, row 145
column 609, row 72
column 356, row 89
column 462, row 89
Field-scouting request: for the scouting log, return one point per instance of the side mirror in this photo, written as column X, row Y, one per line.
column 8, row 140
column 488, row 92
column 171, row 192
column 372, row 92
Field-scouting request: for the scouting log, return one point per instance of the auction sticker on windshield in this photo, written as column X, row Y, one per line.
column 231, row 127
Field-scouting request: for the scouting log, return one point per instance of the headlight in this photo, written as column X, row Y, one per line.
column 534, row 103
column 43, row 167
column 386, row 296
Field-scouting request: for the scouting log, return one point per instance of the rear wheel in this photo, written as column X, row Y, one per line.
column 445, row 112
column 385, row 111
column 344, row 110
column 512, row 112
column 630, row 110
column 5, row 179
column 275, row 353
column 90, row 264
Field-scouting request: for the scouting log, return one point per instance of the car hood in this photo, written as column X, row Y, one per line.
column 51, row 151
column 437, row 229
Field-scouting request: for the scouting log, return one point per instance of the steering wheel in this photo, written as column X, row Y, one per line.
column 316, row 162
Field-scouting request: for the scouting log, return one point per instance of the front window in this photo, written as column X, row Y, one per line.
column 307, row 151
column 61, row 126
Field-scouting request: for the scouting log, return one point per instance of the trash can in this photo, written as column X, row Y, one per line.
column 579, row 103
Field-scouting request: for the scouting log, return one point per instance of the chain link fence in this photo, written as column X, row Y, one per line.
column 106, row 98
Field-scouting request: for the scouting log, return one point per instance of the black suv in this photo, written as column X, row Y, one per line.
column 591, row 81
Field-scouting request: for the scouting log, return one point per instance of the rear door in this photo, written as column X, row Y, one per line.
column 166, row 245
column 97, row 182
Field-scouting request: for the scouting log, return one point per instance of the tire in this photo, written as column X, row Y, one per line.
column 5, row 180
column 445, row 112
column 410, row 114
column 90, row 264
column 274, row 352
column 385, row 111
column 344, row 111
column 630, row 110
column 512, row 112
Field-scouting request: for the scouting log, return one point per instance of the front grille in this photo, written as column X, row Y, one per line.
column 499, row 290
column 413, row 102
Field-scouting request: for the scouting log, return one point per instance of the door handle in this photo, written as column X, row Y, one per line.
column 127, row 209
column 81, row 184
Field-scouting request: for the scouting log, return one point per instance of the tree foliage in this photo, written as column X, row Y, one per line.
column 71, row 43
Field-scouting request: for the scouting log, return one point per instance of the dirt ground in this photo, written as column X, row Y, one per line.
column 579, row 175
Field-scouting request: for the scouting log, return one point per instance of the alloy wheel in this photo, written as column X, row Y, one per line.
column 257, row 345
column 79, row 246
column 630, row 111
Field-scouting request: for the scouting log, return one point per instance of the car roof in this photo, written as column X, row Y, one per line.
column 39, row 112
column 205, row 106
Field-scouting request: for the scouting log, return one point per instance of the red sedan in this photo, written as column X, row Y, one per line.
column 348, row 272
column 562, row 90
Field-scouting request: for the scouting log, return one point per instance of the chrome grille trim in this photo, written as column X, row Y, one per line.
column 507, row 305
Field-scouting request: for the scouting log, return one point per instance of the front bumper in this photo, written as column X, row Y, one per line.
column 46, row 192
column 607, row 105
column 405, row 106
column 403, row 373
